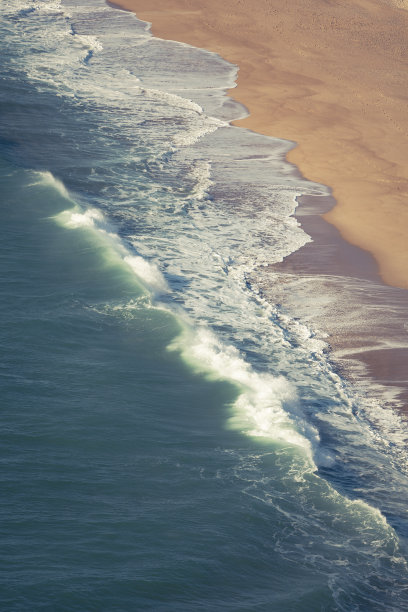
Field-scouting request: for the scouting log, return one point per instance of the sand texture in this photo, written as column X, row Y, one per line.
column 330, row 75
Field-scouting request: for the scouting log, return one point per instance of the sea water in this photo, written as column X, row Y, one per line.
column 172, row 437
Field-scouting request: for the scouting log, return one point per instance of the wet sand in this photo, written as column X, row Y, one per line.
column 336, row 289
column 331, row 76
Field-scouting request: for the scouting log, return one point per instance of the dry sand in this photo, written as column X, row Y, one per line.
column 330, row 75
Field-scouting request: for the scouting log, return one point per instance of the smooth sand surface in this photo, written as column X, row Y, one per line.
column 331, row 75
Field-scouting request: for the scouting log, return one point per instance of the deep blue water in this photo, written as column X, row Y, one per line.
column 171, row 439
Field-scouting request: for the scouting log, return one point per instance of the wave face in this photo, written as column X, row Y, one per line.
column 129, row 135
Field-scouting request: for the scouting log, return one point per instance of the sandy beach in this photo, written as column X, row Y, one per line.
column 330, row 76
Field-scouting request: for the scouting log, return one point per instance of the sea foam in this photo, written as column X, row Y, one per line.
column 92, row 219
column 47, row 179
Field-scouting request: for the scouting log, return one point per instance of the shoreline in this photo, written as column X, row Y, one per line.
column 365, row 328
column 345, row 261
column 339, row 93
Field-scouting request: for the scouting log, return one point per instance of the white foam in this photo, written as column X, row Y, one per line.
column 50, row 6
column 188, row 137
column 261, row 408
column 201, row 174
column 47, row 178
column 89, row 42
column 148, row 272
column 172, row 99
column 90, row 218
column 93, row 219
column 46, row 7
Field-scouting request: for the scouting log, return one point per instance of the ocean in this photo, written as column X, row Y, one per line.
column 175, row 434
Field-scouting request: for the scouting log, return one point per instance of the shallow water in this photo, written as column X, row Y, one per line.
column 173, row 438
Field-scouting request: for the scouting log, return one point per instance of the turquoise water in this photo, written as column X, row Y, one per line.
column 170, row 439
